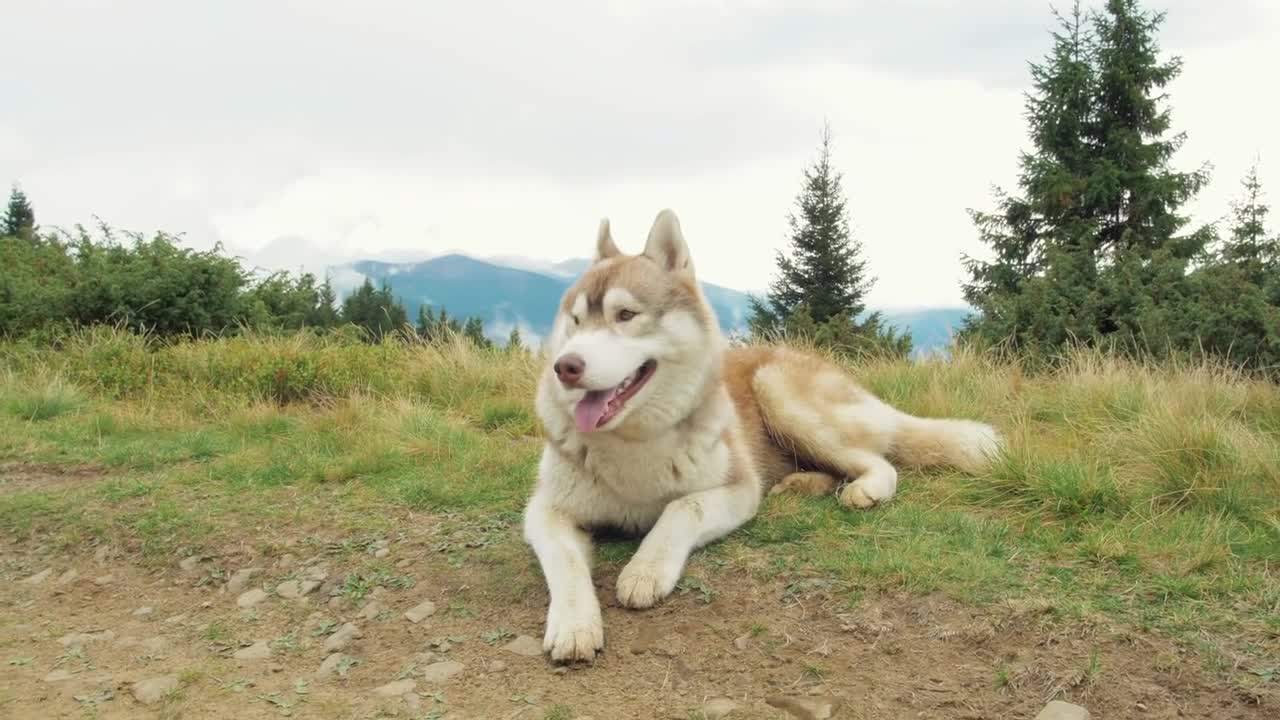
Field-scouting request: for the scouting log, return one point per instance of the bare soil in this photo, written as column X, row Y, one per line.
column 73, row 645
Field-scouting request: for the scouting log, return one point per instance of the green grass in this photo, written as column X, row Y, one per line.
column 1146, row 494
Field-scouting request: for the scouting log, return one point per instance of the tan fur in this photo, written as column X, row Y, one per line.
column 690, row 456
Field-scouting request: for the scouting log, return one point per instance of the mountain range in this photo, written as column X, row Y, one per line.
column 509, row 292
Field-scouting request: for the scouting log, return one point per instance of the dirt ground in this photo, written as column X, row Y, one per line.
column 86, row 634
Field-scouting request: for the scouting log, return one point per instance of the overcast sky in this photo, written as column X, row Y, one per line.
column 313, row 131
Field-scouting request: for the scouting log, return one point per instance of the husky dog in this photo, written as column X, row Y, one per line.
column 655, row 426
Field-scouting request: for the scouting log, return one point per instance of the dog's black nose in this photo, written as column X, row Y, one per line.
column 570, row 369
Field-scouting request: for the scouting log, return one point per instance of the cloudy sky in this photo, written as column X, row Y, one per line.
column 300, row 133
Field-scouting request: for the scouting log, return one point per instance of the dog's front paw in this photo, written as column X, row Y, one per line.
column 574, row 634
column 642, row 585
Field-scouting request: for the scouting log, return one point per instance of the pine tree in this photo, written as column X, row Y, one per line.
column 473, row 330
column 825, row 271
column 325, row 315
column 19, row 218
column 514, row 342
column 377, row 311
column 1249, row 247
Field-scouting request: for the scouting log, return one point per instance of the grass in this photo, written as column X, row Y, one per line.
column 1142, row 493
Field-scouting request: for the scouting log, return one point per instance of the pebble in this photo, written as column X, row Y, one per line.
column 413, row 701
column 39, row 577
column 153, row 690
column 286, row 561
column 742, row 642
column 293, row 589
column 524, row 645
column 188, row 564
column 806, row 708
column 404, row 563
column 396, row 689
column 239, row 582
column 249, row 598
column 421, row 611
column 371, row 610
column 342, row 638
column 1058, row 710
column 68, row 576
column 317, row 573
column 329, row 667
column 718, row 708
column 58, row 676
column 102, row 555
column 154, row 644
column 440, row 672
column 382, row 552
column 104, row 580
column 497, row 666
column 143, row 612
column 82, row 638
column 260, row 650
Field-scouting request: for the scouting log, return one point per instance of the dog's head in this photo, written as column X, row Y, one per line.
column 635, row 342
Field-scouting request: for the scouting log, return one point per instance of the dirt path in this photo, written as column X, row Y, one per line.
column 99, row 635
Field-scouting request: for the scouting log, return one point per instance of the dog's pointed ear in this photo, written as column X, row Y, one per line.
column 605, row 247
column 666, row 245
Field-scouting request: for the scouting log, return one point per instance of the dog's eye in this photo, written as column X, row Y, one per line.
column 625, row 315
column 575, row 319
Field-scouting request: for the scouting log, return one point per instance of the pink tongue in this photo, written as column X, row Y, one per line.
column 590, row 409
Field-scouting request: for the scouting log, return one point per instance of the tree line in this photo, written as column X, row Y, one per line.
column 1092, row 250
column 55, row 280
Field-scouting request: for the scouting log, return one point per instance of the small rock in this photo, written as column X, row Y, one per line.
column 742, row 642
column 524, row 645
column 806, row 708
column 337, row 603
column 371, row 610
column 1058, row 710
column 188, row 564
column 152, row 691
column 330, row 666
column 421, row 611
column 39, row 577
column 396, row 689
column 260, row 650
column 239, row 582
column 82, row 638
column 436, row 673
column 413, row 701
column 718, row 708
column 293, row 589
column 104, row 579
column 249, row 598
column 175, row 619
column 102, row 555
column 317, row 573
column 67, row 577
column 286, row 561
column 143, row 612
column 497, row 666
column 276, row 668
column 58, row 676
column 403, row 563
column 342, row 638
column 154, row 644
column 382, row 552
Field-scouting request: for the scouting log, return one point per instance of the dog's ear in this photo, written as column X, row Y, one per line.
column 605, row 248
column 666, row 245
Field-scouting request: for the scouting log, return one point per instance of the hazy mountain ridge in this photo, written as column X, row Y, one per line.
column 521, row 292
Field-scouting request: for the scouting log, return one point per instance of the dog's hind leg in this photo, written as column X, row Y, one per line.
column 824, row 418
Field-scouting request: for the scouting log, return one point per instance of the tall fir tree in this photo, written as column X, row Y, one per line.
column 1090, row 249
column 325, row 314
column 19, row 217
column 824, row 271
column 1248, row 246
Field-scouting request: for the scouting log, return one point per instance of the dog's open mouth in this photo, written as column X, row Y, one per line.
column 598, row 407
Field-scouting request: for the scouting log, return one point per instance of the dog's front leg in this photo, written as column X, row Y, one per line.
column 686, row 524
column 575, row 629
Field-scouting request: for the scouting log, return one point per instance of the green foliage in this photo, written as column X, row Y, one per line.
column 376, row 311
column 19, row 218
column 1093, row 251
column 818, row 294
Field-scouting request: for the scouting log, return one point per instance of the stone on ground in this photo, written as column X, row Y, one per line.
column 344, row 636
column 396, row 689
column 524, row 645
column 251, row 597
column 1058, row 710
column 153, row 690
column 437, row 673
column 421, row 611
column 806, row 708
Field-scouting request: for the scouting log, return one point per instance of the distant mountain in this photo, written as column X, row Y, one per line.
column 509, row 292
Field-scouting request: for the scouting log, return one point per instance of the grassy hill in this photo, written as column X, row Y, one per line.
column 1121, row 552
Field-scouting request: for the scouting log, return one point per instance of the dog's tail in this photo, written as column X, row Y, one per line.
column 966, row 445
